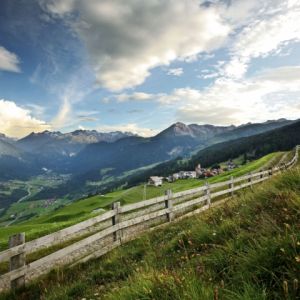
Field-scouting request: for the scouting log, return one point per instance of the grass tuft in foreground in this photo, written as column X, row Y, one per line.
column 248, row 248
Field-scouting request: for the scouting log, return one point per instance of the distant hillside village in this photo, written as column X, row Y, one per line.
column 198, row 173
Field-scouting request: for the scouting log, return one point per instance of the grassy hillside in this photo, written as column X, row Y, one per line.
column 248, row 248
column 86, row 208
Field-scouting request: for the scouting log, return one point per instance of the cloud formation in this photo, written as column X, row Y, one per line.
column 273, row 26
column 137, row 96
column 126, row 39
column 9, row 61
column 131, row 127
column 175, row 72
column 275, row 93
column 265, row 96
column 16, row 121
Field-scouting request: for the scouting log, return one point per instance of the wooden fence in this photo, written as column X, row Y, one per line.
column 96, row 236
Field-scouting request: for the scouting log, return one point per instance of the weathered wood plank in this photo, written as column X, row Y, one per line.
column 219, row 184
column 54, row 238
column 116, row 206
column 169, row 205
column 50, row 261
column 241, row 178
column 17, row 261
column 188, row 192
column 220, row 193
column 207, row 193
column 144, row 218
column 142, row 204
column 190, row 203
column 231, row 186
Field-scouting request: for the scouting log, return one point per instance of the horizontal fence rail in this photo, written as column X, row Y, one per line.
column 100, row 234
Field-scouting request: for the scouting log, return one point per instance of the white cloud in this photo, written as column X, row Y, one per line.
column 175, row 72
column 273, row 25
column 70, row 93
column 63, row 115
column 137, row 96
column 37, row 110
column 16, row 121
column 236, row 68
column 131, row 127
column 126, row 39
column 9, row 61
column 208, row 76
column 59, row 7
column 272, row 94
column 281, row 74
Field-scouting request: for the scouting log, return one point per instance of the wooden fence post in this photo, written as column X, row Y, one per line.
column 17, row 261
column 261, row 175
column 250, row 179
column 207, row 192
column 270, row 172
column 169, row 204
column 231, row 185
column 116, row 220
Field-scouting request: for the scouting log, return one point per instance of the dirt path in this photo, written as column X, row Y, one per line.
column 26, row 196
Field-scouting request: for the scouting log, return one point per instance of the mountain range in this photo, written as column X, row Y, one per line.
column 96, row 162
column 89, row 151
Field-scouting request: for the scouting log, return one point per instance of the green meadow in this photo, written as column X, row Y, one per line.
column 86, row 208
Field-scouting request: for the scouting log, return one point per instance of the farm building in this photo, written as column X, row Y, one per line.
column 155, row 180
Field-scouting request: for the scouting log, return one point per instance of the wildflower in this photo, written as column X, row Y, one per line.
column 214, row 233
column 297, row 258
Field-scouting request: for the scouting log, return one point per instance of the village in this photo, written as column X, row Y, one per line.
column 198, row 173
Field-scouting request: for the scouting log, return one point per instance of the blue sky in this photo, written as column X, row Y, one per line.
column 142, row 65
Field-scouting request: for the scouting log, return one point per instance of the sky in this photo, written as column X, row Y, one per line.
column 141, row 65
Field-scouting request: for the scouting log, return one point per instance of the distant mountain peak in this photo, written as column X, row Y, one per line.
column 276, row 121
column 182, row 129
column 179, row 124
column 176, row 129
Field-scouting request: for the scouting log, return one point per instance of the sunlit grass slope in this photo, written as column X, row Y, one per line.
column 248, row 248
column 86, row 208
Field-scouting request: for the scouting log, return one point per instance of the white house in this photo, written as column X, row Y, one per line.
column 191, row 174
column 175, row 176
column 187, row 174
column 155, row 180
